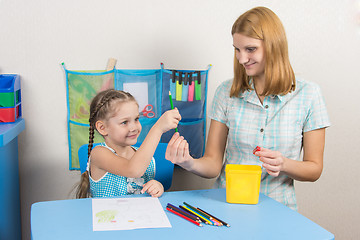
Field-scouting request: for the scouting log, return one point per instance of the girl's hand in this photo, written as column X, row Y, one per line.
column 169, row 120
column 273, row 161
column 177, row 152
column 154, row 188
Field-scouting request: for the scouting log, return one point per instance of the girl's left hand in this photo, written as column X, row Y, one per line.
column 273, row 161
column 154, row 188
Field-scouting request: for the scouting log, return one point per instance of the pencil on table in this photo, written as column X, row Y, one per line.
column 210, row 217
column 224, row 223
column 189, row 215
column 207, row 221
column 202, row 214
column 188, row 211
column 183, row 216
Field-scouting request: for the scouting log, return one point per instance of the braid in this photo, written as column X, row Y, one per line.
column 83, row 189
column 91, row 139
column 93, row 119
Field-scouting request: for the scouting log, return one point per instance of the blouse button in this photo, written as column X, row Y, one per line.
column 266, row 106
column 262, row 130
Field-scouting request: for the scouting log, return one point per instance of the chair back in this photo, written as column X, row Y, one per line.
column 164, row 169
column 83, row 156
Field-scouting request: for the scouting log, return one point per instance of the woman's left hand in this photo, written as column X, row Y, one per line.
column 273, row 161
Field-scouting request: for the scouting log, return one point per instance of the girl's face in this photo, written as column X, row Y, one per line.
column 124, row 127
column 250, row 53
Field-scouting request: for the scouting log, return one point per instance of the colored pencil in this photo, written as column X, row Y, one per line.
column 224, row 223
column 197, row 211
column 211, row 218
column 189, row 215
column 186, row 210
column 183, row 216
column 172, row 106
column 200, row 216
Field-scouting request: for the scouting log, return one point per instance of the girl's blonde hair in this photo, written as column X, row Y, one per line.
column 102, row 107
column 263, row 24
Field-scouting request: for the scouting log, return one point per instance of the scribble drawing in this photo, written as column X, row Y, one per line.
column 106, row 216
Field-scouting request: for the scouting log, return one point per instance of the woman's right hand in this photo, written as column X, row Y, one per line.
column 177, row 152
column 169, row 120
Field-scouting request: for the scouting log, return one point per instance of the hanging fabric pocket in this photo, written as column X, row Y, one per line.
column 194, row 133
column 145, row 86
column 81, row 88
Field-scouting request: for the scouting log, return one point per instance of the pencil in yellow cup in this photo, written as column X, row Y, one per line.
column 172, row 106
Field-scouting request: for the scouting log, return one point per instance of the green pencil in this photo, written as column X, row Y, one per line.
column 172, row 106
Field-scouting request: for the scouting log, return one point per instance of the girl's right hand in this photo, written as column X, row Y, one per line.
column 169, row 120
column 154, row 188
column 177, row 152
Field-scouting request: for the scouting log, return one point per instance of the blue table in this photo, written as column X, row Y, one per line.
column 10, row 220
column 72, row 219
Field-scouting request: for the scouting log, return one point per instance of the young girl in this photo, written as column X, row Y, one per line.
column 116, row 168
column 264, row 105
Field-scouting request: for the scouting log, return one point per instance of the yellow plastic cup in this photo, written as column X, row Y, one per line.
column 242, row 183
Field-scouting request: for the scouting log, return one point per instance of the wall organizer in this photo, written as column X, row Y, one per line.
column 10, row 98
column 150, row 87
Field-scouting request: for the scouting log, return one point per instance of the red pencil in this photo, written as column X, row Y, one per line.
column 183, row 216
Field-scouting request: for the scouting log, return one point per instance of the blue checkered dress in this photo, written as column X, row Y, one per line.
column 277, row 124
column 112, row 185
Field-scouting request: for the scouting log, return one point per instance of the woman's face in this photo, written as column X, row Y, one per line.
column 250, row 53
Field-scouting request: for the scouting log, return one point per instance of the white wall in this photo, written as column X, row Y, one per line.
column 36, row 36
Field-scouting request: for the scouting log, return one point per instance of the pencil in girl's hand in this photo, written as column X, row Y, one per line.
column 172, row 106
column 171, row 102
column 183, row 216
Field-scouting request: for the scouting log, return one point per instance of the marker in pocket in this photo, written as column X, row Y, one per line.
column 191, row 88
column 185, row 88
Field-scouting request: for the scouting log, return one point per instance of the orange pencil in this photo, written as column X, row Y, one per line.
column 183, row 216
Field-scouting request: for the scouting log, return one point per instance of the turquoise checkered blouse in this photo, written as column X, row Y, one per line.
column 277, row 124
column 112, row 185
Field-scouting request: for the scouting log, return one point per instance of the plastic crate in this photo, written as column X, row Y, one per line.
column 10, row 97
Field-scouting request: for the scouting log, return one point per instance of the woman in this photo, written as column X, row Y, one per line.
column 264, row 105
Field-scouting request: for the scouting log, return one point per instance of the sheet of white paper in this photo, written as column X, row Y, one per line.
column 128, row 213
column 140, row 92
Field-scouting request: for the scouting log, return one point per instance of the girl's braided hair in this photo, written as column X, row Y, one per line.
column 102, row 107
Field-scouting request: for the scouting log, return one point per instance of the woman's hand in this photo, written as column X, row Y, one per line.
column 178, row 152
column 273, row 161
column 154, row 188
column 169, row 120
